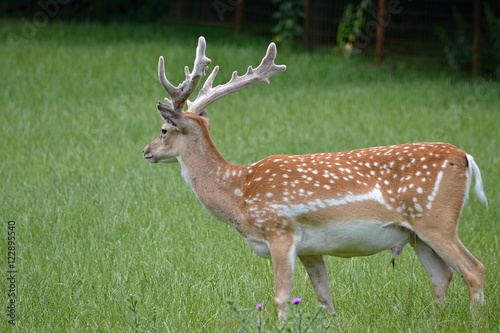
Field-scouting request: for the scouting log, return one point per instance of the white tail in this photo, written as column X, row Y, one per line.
column 354, row 203
column 474, row 171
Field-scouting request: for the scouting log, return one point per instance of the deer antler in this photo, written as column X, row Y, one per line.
column 180, row 93
column 208, row 94
column 261, row 74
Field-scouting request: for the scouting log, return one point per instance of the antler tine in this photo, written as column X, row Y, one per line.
column 180, row 93
column 201, row 62
column 267, row 64
column 165, row 83
column 261, row 74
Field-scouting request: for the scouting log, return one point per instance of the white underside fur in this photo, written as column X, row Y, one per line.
column 343, row 239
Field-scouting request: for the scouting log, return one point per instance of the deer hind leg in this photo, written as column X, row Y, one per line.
column 438, row 270
column 454, row 253
column 283, row 256
column 316, row 269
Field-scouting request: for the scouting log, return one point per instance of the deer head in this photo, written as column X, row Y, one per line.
column 182, row 125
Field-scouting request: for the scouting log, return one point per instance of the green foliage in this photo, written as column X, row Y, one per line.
column 457, row 47
column 493, row 26
column 102, row 10
column 97, row 223
column 493, row 38
column 351, row 25
column 288, row 18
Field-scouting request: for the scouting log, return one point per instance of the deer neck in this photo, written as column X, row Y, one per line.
column 211, row 177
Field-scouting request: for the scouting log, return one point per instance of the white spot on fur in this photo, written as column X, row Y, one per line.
column 418, row 208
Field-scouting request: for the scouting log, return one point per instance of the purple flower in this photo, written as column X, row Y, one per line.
column 296, row 300
column 259, row 306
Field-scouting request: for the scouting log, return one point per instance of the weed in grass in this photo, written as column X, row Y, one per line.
column 243, row 317
column 137, row 321
column 298, row 320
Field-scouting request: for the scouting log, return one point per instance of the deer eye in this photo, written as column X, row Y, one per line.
column 163, row 131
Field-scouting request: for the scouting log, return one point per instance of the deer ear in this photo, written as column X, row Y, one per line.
column 166, row 111
column 169, row 115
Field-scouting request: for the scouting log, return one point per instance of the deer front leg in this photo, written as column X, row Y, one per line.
column 283, row 256
column 316, row 269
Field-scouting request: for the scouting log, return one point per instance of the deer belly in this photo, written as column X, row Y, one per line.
column 351, row 239
column 259, row 246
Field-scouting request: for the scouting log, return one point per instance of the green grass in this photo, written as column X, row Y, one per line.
column 107, row 242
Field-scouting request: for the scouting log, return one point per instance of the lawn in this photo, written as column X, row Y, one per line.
column 106, row 242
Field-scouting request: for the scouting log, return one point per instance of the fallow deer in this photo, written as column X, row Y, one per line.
column 354, row 203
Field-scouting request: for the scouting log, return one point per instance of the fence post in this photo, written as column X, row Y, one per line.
column 379, row 50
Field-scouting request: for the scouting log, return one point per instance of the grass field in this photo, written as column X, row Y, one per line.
column 106, row 242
